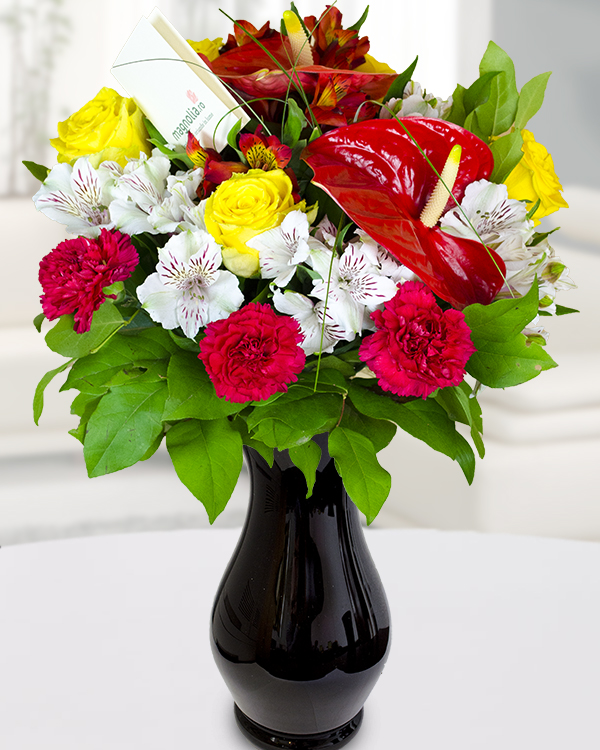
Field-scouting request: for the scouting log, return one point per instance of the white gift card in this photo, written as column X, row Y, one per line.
column 173, row 86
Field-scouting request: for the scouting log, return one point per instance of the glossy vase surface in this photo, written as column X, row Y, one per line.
column 300, row 624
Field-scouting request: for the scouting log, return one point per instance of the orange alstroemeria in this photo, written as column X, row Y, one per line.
column 264, row 152
column 216, row 170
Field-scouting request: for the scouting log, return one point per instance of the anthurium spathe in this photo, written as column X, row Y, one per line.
column 380, row 177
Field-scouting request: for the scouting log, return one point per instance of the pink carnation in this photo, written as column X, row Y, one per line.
column 417, row 347
column 74, row 274
column 252, row 354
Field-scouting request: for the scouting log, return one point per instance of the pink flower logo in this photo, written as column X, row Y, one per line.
column 191, row 96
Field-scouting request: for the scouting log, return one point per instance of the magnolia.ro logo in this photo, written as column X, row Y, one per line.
column 191, row 96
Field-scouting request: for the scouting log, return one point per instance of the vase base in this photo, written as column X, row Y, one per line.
column 267, row 738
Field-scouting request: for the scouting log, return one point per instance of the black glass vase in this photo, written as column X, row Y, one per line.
column 300, row 625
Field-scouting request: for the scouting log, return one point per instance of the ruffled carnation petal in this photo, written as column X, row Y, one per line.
column 252, row 354
column 417, row 347
column 74, row 274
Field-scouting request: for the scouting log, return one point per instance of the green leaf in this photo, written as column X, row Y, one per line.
column 153, row 132
column 233, row 134
column 479, row 92
column 457, row 113
column 124, row 426
column 207, row 457
column 294, row 123
column 465, row 458
column 367, row 483
column 502, row 320
column 63, row 339
column 93, row 373
column 38, row 320
column 38, row 398
column 188, row 345
column 562, row 310
column 460, row 407
column 84, row 405
column 507, row 153
column 424, row 419
column 287, row 423
column 501, row 364
column 356, row 27
column 191, row 392
column 531, row 99
column 306, row 457
column 396, row 90
column 37, row 170
column 239, row 424
column 179, row 158
column 497, row 115
column 379, row 431
column 332, row 362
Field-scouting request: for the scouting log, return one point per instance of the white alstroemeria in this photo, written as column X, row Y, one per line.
column 310, row 316
column 326, row 232
column 194, row 216
column 387, row 264
column 188, row 289
column 537, row 261
column 416, row 102
column 500, row 221
column 354, row 284
column 168, row 215
column 140, row 189
column 282, row 249
column 77, row 196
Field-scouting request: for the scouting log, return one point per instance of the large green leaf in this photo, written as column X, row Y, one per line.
column 38, row 398
column 63, row 339
column 294, row 123
column 379, row 431
column 367, row 483
column 507, row 153
column 422, row 418
column 531, row 99
column 502, row 320
column 306, row 457
column 90, row 374
column 124, row 426
column 286, row 423
column 497, row 115
column 501, row 364
column 191, row 392
column 207, row 456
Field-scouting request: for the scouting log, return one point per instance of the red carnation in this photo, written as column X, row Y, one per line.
column 252, row 354
column 417, row 347
column 74, row 274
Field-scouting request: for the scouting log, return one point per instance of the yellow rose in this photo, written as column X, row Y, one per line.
column 207, row 47
column 247, row 204
column 371, row 65
column 109, row 126
column 534, row 179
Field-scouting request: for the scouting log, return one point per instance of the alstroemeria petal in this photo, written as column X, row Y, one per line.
column 379, row 177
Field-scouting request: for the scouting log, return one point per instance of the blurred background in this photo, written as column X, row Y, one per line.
column 540, row 475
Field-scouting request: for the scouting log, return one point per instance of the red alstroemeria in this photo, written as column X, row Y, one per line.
column 264, row 152
column 216, row 170
column 379, row 177
column 245, row 66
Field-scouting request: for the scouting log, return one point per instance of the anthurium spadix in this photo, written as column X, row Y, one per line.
column 378, row 175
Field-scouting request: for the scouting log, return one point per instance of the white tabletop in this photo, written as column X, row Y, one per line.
column 495, row 646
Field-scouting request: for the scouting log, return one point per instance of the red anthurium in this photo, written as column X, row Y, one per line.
column 378, row 176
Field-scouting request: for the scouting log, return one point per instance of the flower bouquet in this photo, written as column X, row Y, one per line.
column 356, row 255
